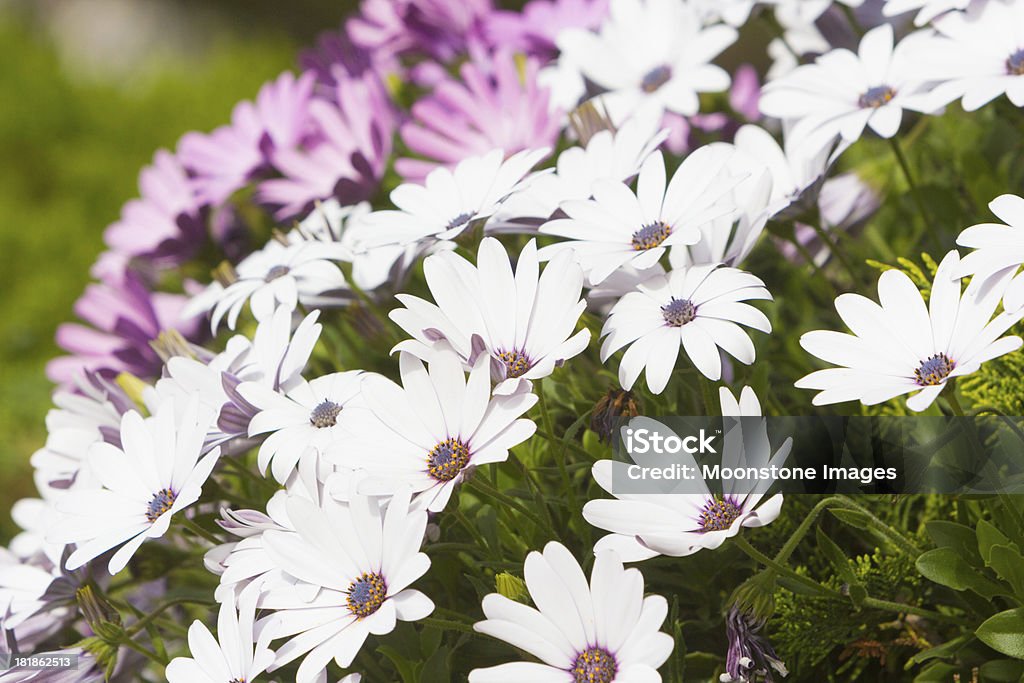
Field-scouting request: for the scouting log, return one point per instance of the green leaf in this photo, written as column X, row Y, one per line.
column 1004, row 632
column 989, row 536
column 842, row 567
column 946, row 567
column 406, row 669
column 945, row 650
column 960, row 537
column 852, row 517
column 1002, row 671
column 936, row 672
column 430, row 640
column 1007, row 562
column 436, row 667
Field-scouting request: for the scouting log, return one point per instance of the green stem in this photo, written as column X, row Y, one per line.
column 817, row 224
column 200, row 531
column 145, row 652
column 711, row 403
column 852, row 18
column 561, row 456
column 478, row 538
column 144, row 621
column 240, row 468
column 447, row 625
column 576, row 448
column 902, row 542
column 901, row 159
column 478, row 485
column 875, row 603
column 783, row 570
column 954, row 402
column 794, row 539
column 534, row 486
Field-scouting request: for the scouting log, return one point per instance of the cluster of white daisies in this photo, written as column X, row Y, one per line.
column 362, row 461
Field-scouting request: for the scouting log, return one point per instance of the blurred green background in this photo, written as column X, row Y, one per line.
column 89, row 89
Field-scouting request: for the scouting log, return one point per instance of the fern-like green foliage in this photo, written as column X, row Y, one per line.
column 815, row 635
column 997, row 384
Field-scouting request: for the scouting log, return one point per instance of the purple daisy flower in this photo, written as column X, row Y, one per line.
column 492, row 107
column 165, row 225
column 123, row 317
column 442, row 29
column 347, row 155
column 334, row 50
column 535, row 29
column 224, row 161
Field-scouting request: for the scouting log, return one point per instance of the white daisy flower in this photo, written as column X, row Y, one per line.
column 978, row 54
column 157, row 472
column 797, row 172
column 618, row 228
column 274, row 358
column 79, row 418
column 728, row 239
column 245, row 562
column 341, row 227
column 602, row 631
column 927, row 9
column 842, row 93
column 798, row 39
column 232, row 655
column 434, row 428
column 313, row 416
column 650, row 53
column 645, row 525
column 608, row 155
column 277, row 274
column 899, row 345
column 24, row 584
column 449, row 201
column 998, row 248
column 698, row 308
column 523, row 319
column 363, row 559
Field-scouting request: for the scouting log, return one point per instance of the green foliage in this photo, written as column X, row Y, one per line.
column 817, row 636
column 997, row 385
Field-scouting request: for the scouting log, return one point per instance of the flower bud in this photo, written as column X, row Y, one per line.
column 512, row 587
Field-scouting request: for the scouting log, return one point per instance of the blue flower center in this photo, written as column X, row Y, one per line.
column 651, row 236
column 1015, row 63
column 877, row 96
column 719, row 514
column 447, row 459
column 679, row 312
column 366, row 594
column 655, row 78
column 161, row 503
column 934, row 370
column 460, row 220
column 325, row 415
column 276, row 272
column 516, row 363
column 594, row 665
